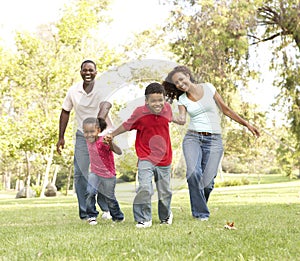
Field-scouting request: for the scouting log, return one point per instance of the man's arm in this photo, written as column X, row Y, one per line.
column 63, row 122
column 104, row 108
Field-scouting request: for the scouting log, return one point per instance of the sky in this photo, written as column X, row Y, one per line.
column 129, row 16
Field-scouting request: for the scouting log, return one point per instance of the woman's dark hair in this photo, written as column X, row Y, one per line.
column 154, row 87
column 171, row 91
column 102, row 124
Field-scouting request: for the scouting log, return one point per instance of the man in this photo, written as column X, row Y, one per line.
column 87, row 99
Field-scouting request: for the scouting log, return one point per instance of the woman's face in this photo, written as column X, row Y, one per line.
column 181, row 81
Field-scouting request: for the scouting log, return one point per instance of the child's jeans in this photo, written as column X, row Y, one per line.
column 142, row 201
column 106, row 187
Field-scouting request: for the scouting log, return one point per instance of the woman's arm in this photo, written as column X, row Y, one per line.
column 181, row 118
column 234, row 116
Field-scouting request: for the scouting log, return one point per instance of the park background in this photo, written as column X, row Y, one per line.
column 248, row 50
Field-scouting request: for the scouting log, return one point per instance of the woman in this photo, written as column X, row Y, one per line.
column 202, row 144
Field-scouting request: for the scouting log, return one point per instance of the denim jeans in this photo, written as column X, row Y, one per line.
column 202, row 156
column 105, row 187
column 81, row 173
column 142, row 210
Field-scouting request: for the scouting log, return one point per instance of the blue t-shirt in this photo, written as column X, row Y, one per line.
column 204, row 113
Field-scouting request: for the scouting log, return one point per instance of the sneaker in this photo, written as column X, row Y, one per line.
column 144, row 224
column 92, row 221
column 106, row 215
column 167, row 221
column 203, row 219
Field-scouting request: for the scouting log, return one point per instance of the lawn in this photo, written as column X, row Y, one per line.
column 266, row 217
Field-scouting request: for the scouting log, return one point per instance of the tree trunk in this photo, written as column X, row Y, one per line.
column 45, row 179
column 7, row 179
column 27, row 174
column 69, row 180
column 55, row 174
column 38, row 180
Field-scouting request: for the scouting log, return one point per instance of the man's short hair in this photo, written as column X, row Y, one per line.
column 88, row 61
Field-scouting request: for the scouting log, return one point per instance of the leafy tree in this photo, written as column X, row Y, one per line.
column 279, row 23
column 37, row 77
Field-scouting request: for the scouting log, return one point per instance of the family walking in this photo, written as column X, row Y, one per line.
column 94, row 170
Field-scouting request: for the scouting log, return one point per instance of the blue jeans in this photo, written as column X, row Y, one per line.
column 81, row 173
column 105, row 187
column 202, row 156
column 142, row 210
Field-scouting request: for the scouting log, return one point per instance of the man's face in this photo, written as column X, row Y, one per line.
column 156, row 102
column 88, row 72
column 90, row 132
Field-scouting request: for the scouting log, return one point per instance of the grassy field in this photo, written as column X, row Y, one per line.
column 266, row 217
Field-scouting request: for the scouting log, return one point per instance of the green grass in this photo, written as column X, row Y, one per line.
column 251, row 179
column 266, row 217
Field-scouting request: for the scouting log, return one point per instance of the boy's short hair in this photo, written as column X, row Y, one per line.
column 154, row 87
column 99, row 122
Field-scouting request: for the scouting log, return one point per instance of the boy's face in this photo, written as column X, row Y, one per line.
column 90, row 132
column 156, row 102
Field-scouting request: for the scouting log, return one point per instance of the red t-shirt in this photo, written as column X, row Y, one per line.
column 153, row 141
column 101, row 159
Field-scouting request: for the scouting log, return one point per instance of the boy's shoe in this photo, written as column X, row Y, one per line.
column 167, row 221
column 144, row 224
column 106, row 215
column 92, row 221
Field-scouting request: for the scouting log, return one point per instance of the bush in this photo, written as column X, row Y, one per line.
column 232, row 182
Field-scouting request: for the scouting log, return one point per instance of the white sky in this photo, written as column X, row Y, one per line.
column 128, row 15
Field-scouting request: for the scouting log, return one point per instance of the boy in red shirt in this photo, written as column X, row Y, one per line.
column 154, row 151
column 102, row 178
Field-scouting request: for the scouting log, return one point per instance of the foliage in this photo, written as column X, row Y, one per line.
column 230, row 183
column 36, row 80
column 126, row 165
column 279, row 22
column 213, row 39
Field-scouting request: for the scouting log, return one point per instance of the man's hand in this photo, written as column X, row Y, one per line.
column 60, row 143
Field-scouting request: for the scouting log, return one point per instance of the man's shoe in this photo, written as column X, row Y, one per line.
column 167, row 221
column 144, row 224
column 119, row 220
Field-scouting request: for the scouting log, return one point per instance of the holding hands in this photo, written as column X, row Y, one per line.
column 108, row 139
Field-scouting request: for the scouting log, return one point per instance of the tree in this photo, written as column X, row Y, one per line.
column 279, row 22
column 36, row 79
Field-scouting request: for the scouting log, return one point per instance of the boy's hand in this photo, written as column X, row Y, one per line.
column 107, row 139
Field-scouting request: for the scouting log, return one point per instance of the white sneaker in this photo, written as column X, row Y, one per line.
column 144, row 224
column 204, row 219
column 167, row 221
column 92, row 221
column 106, row 215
